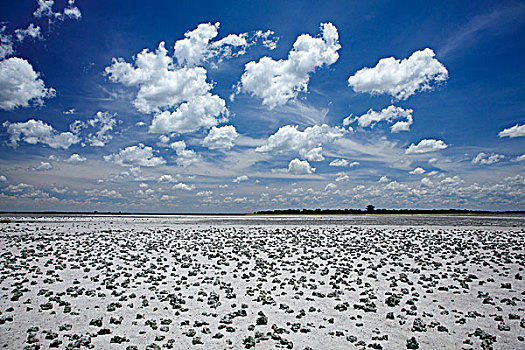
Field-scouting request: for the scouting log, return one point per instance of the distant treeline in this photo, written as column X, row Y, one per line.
column 380, row 211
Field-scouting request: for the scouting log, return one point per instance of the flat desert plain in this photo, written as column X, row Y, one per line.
column 341, row 282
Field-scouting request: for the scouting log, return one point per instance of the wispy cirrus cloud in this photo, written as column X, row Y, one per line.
column 483, row 25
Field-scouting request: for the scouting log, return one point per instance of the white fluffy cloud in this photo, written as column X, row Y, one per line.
column 185, row 157
column 139, row 155
column 183, row 186
column 200, row 112
column 276, row 82
column 519, row 158
column 389, row 114
column 330, row 186
column 400, row 78
column 425, row 146
column 43, row 166
column 426, row 182
column 31, row 31
column 269, row 40
column 307, row 143
column 197, row 47
column 342, row 177
column 45, row 9
column 36, row 131
column 75, row 158
column 103, row 193
column 73, row 12
column 221, row 138
column 485, row 159
column 105, row 122
column 194, row 48
column 383, row 179
column 240, row 179
column 515, row 131
column 343, row 163
column 21, row 187
column 417, row 171
column 20, row 85
column 176, row 90
column 180, row 96
column 300, row 167
column 166, row 178
column 6, row 44
column 161, row 83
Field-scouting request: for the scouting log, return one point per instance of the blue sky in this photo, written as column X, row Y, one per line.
column 241, row 106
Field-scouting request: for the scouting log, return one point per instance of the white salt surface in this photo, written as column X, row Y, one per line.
column 448, row 282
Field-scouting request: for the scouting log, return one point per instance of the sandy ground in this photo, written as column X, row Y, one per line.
column 106, row 283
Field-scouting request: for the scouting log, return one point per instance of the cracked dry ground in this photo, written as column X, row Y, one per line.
column 104, row 285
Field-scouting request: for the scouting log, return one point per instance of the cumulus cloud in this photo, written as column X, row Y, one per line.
column 73, row 12
column 426, row 182
column 269, row 40
column 31, row 31
column 161, row 83
column 43, row 166
column 196, row 46
column 163, row 139
column 401, row 125
column 204, row 193
column 200, row 112
column 180, row 96
column 75, row 158
column 383, row 179
column 417, row 171
column 307, row 143
column 425, row 146
column 105, row 122
column 400, row 78
column 240, row 179
column 175, row 88
column 166, row 178
column 6, row 44
column 300, row 167
column 20, row 85
column 343, row 163
column 221, row 138
column 396, row 186
column 183, row 186
column 103, row 193
column 485, row 159
column 185, row 157
column 342, row 177
column 139, row 155
column 45, row 9
column 515, row 131
column 389, row 114
column 36, row 131
column 519, row 158
column 330, row 186
column 276, row 82
column 21, row 187
column 339, row 162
